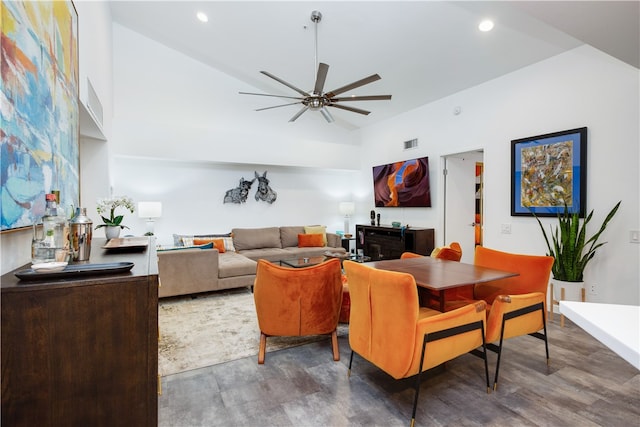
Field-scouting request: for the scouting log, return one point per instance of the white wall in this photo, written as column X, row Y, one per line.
column 583, row 87
column 96, row 64
column 192, row 196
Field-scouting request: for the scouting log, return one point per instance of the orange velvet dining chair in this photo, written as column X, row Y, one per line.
column 516, row 305
column 389, row 329
column 298, row 301
column 452, row 252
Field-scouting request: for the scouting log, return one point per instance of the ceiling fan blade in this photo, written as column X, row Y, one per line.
column 278, row 106
column 320, row 78
column 265, row 94
column 372, row 78
column 298, row 114
column 362, row 98
column 326, row 114
column 289, row 85
column 352, row 109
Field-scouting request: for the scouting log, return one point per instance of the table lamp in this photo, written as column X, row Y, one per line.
column 150, row 211
column 347, row 209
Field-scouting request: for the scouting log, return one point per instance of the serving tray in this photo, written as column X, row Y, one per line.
column 127, row 243
column 76, row 270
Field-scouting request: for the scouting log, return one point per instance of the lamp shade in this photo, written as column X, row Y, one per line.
column 149, row 209
column 347, row 208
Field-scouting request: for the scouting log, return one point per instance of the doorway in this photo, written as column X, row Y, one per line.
column 463, row 200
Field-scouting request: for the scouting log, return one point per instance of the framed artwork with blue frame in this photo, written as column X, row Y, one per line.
column 549, row 171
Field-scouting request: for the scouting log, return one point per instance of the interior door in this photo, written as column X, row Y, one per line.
column 460, row 201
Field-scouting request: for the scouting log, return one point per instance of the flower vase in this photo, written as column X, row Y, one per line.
column 112, row 232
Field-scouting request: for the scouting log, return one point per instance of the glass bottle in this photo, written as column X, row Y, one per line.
column 56, row 232
column 39, row 250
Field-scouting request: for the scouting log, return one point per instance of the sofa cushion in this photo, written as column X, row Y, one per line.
column 289, row 235
column 228, row 244
column 217, row 243
column 187, row 239
column 231, row 264
column 310, row 240
column 317, row 229
column 224, row 244
column 256, row 238
column 177, row 248
column 334, row 240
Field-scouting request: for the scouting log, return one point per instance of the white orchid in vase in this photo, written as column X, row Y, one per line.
column 110, row 205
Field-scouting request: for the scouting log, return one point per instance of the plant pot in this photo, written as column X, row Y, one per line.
column 572, row 290
column 112, row 232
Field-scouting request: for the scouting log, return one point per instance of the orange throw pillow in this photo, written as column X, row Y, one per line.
column 217, row 243
column 310, row 240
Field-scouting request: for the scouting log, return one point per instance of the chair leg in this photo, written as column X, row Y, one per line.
column 262, row 349
column 499, row 352
column 419, row 378
column 484, row 356
column 546, row 344
column 334, row 345
column 350, row 363
column 543, row 337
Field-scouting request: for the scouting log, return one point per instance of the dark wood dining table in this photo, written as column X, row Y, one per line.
column 438, row 275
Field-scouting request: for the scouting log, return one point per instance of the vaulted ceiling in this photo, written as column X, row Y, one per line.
column 423, row 50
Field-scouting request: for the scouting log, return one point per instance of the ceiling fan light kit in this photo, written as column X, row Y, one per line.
column 317, row 100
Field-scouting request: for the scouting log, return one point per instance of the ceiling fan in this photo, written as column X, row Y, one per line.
column 317, row 100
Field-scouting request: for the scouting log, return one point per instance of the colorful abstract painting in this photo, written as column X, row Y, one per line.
column 549, row 172
column 39, row 127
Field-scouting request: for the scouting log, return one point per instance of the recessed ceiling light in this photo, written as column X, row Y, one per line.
column 202, row 17
column 486, row 25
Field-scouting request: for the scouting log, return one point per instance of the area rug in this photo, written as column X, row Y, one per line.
column 214, row 328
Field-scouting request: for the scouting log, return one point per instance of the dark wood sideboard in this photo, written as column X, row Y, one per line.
column 387, row 242
column 82, row 351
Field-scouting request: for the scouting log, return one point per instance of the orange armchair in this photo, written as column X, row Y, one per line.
column 517, row 305
column 389, row 329
column 453, row 252
column 298, row 301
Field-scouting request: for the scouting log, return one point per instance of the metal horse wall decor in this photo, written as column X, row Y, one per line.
column 240, row 193
column 265, row 192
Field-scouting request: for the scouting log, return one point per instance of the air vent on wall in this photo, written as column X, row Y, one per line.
column 413, row 143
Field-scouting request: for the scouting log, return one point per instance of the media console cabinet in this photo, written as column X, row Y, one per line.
column 387, row 242
column 82, row 351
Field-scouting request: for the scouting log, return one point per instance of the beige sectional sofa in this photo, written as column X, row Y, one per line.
column 192, row 270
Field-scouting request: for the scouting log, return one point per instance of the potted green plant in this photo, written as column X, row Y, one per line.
column 113, row 223
column 571, row 248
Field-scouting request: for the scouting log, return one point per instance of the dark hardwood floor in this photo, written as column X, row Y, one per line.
column 585, row 384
